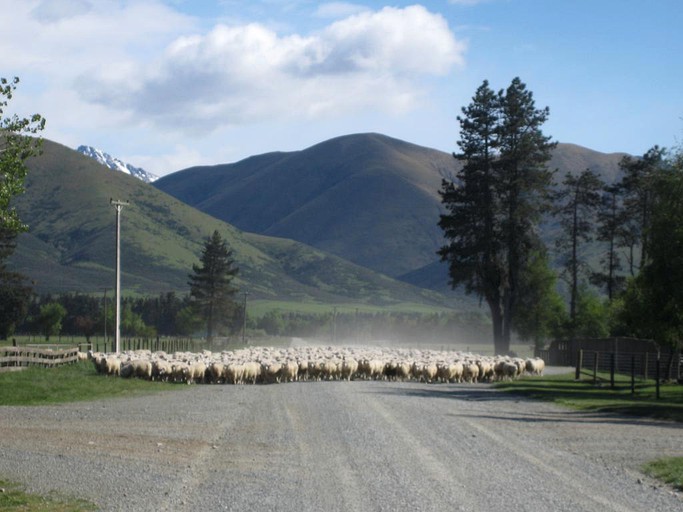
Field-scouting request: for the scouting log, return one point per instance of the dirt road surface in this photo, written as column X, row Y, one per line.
column 351, row 446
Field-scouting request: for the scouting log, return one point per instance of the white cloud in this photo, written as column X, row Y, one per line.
column 248, row 73
column 50, row 43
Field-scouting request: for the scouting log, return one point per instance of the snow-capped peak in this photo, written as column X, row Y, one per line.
column 116, row 164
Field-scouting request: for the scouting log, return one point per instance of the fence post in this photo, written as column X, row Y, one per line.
column 647, row 363
column 595, row 368
column 633, row 375
column 579, row 363
column 657, row 377
column 611, row 370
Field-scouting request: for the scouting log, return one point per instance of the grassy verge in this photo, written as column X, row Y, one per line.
column 13, row 497
column 583, row 395
column 669, row 470
column 70, row 383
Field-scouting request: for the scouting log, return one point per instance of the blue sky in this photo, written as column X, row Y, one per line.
column 170, row 84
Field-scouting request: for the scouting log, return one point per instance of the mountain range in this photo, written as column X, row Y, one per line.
column 70, row 245
column 350, row 220
column 367, row 198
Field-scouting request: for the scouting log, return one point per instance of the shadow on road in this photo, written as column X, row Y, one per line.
column 510, row 411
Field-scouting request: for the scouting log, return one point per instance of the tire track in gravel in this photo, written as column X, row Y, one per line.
column 327, row 463
column 575, row 482
column 450, row 479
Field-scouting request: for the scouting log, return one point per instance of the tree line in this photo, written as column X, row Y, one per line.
column 208, row 308
column 170, row 314
column 77, row 314
column 613, row 264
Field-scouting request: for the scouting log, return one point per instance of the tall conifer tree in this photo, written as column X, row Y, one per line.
column 577, row 202
column 640, row 175
column 211, row 285
column 495, row 202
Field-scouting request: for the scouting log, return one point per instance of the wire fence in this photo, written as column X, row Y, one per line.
column 640, row 366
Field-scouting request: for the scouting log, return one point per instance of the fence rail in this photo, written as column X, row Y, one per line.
column 643, row 364
column 12, row 357
column 638, row 365
column 153, row 344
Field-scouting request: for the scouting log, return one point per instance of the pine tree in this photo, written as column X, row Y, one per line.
column 473, row 251
column 639, row 178
column 576, row 205
column 211, row 284
column 610, row 222
column 495, row 202
column 653, row 302
column 522, row 182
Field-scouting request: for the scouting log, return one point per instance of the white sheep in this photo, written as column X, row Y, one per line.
column 161, row 370
column 112, row 365
column 196, row 372
column 252, row 372
column 349, row 368
column 215, row 372
column 259, row 364
column 290, row 371
column 142, row 368
column 535, row 366
column 234, row 373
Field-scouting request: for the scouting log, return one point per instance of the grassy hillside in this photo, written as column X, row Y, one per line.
column 368, row 198
column 71, row 242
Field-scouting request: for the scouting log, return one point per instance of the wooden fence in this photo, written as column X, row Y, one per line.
column 641, row 365
column 18, row 357
column 153, row 344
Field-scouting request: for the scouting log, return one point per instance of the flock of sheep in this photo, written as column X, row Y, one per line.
column 275, row 365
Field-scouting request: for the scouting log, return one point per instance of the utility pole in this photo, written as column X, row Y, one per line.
column 244, row 317
column 105, row 319
column 118, row 205
column 334, row 324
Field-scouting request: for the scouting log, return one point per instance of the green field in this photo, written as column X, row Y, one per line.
column 69, row 383
column 258, row 308
column 13, row 497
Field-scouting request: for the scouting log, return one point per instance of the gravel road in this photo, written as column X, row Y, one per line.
column 337, row 446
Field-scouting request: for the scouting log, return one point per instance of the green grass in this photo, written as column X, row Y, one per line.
column 70, row 383
column 13, row 497
column 258, row 308
column 584, row 396
column 668, row 469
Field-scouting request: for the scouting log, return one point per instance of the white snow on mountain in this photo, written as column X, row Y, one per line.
column 116, row 164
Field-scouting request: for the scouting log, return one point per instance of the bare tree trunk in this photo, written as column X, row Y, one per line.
column 499, row 344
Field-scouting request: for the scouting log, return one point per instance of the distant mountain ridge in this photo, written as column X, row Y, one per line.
column 368, row 198
column 70, row 245
column 116, row 164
